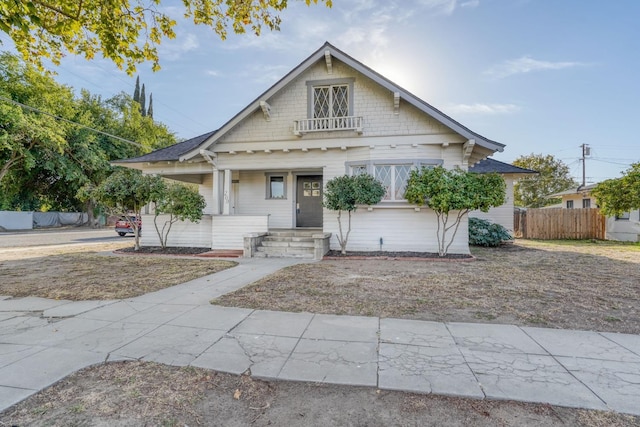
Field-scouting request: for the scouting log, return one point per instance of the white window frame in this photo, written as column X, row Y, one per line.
column 370, row 167
column 268, row 180
column 586, row 202
column 312, row 85
column 570, row 204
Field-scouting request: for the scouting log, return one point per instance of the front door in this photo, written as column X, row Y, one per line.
column 309, row 201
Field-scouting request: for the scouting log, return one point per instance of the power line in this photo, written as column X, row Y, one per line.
column 71, row 122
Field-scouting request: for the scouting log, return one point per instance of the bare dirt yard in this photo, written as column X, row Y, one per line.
column 552, row 284
column 88, row 273
column 575, row 285
column 148, row 394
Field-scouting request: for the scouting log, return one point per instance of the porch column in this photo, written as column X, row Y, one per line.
column 215, row 196
column 226, row 204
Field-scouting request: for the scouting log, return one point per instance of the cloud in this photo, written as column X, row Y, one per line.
column 487, row 109
column 212, row 73
column 470, row 4
column 526, row 64
column 445, row 7
column 172, row 50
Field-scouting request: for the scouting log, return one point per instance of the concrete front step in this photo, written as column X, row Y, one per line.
column 262, row 252
column 285, row 244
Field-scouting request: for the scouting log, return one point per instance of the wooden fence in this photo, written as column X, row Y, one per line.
column 559, row 223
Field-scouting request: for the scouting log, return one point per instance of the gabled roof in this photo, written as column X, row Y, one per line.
column 363, row 69
column 171, row 153
column 491, row 165
column 579, row 190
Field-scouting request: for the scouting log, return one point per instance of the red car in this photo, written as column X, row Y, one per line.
column 123, row 225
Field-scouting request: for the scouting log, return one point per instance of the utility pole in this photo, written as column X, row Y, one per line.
column 586, row 151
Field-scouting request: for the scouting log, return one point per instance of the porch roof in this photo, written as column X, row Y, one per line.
column 491, row 165
column 171, row 153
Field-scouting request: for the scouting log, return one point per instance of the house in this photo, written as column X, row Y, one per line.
column 502, row 215
column 625, row 227
column 579, row 197
column 264, row 170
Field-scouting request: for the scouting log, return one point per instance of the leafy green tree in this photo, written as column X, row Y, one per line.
column 127, row 32
column 448, row 191
column 24, row 130
column 345, row 193
column 553, row 177
column 127, row 191
column 180, row 202
column 619, row 195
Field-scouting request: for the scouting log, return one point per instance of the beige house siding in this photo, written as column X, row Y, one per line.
column 503, row 214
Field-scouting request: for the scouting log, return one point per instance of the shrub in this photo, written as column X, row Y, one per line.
column 486, row 233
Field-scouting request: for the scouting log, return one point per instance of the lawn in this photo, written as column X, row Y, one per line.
column 559, row 284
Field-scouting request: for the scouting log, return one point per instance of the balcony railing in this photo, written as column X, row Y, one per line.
column 327, row 124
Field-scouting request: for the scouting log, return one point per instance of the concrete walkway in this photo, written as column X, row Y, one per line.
column 42, row 341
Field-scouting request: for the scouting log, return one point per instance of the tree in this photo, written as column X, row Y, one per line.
column 453, row 190
column 619, row 195
column 125, row 191
column 345, row 193
column 150, row 109
column 180, row 202
column 553, row 177
column 127, row 32
column 136, row 91
column 143, row 101
column 25, row 133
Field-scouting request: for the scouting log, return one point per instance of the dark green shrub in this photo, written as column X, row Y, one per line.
column 486, row 233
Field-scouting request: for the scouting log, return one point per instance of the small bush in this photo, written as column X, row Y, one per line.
column 486, row 233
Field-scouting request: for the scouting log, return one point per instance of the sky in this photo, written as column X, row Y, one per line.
column 541, row 76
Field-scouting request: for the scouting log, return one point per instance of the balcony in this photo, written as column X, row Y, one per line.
column 326, row 124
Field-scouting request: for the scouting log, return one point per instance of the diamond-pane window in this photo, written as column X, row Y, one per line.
column 383, row 174
column 330, row 101
column 401, row 178
column 394, row 179
column 358, row 170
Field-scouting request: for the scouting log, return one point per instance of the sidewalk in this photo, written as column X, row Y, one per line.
column 42, row 341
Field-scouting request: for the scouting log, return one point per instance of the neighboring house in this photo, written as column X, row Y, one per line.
column 625, row 227
column 265, row 169
column 502, row 215
column 575, row 198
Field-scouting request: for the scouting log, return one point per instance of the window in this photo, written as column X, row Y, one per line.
column 276, row 186
column 394, row 178
column 586, row 203
column 569, row 204
column 330, row 101
column 623, row 217
column 358, row 170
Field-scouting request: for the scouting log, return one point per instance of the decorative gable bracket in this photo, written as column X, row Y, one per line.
column 396, row 103
column 467, row 148
column 266, row 110
column 327, row 59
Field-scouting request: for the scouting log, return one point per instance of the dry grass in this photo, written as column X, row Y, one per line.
column 576, row 285
column 88, row 273
column 150, row 394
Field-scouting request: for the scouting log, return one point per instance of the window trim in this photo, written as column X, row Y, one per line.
column 586, row 202
column 371, row 164
column 625, row 216
column 312, row 84
column 268, row 176
column 570, row 204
